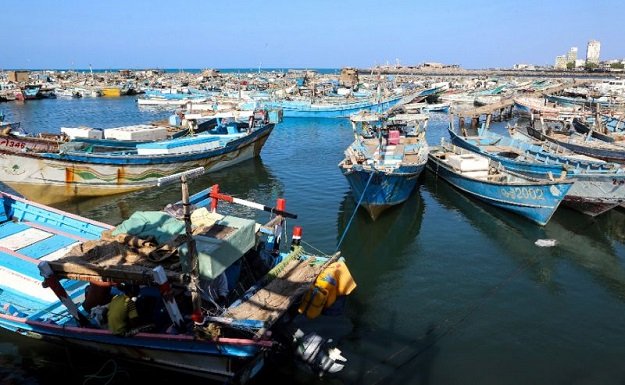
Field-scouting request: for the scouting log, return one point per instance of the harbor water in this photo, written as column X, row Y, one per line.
column 450, row 291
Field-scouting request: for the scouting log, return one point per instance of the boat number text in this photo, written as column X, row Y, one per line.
column 12, row 143
column 523, row 193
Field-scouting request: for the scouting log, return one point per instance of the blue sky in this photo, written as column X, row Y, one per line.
column 303, row 34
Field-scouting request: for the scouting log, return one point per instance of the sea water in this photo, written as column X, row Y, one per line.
column 450, row 290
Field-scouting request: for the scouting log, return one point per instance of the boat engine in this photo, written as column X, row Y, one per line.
column 318, row 353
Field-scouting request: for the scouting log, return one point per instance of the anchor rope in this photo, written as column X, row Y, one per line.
column 349, row 223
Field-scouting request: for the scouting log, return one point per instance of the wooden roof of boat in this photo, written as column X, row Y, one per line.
column 121, row 258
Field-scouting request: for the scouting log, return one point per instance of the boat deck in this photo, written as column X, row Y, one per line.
column 23, row 244
column 291, row 280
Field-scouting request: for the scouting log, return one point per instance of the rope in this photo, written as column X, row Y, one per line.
column 105, row 378
column 349, row 223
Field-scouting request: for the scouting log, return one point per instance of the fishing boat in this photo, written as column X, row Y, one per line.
column 599, row 186
column 563, row 133
column 343, row 108
column 214, row 295
column 385, row 160
column 489, row 181
column 538, row 106
column 85, row 169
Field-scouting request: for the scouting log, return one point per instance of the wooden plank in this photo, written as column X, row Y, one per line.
column 23, row 238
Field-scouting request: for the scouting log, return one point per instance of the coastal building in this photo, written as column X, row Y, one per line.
column 560, row 63
column 18, row 76
column 579, row 63
column 571, row 56
column 592, row 51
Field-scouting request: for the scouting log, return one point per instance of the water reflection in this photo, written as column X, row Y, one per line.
column 581, row 240
column 249, row 180
column 374, row 246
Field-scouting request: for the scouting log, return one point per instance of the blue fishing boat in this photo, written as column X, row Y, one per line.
column 197, row 309
column 342, row 108
column 489, row 181
column 82, row 169
column 599, row 130
column 385, row 160
column 597, row 188
column 564, row 134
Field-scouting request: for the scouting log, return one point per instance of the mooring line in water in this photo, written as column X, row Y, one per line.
column 349, row 223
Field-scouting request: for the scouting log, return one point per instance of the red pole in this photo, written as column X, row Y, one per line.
column 281, row 204
column 297, row 236
column 214, row 194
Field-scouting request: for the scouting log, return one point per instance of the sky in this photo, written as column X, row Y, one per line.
column 72, row 34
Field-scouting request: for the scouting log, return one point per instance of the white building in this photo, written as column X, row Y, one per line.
column 592, row 52
column 571, row 56
column 560, row 63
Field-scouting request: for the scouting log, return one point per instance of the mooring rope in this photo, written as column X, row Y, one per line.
column 349, row 223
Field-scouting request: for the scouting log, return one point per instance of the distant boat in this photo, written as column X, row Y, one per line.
column 385, row 160
column 328, row 108
column 111, row 91
column 84, row 169
column 489, row 181
column 564, row 134
column 235, row 319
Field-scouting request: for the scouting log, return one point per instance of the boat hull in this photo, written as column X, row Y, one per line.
column 52, row 178
column 536, row 201
column 344, row 110
column 593, row 192
column 384, row 190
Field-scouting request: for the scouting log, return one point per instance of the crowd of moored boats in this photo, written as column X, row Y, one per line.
column 216, row 293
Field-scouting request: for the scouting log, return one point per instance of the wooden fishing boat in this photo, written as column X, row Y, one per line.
column 84, row 169
column 327, row 108
column 489, row 181
column 200, row 308
column 385, row 160
column 599, row 186
column 563, row 133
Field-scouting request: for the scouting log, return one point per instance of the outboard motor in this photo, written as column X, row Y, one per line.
column 318, row 353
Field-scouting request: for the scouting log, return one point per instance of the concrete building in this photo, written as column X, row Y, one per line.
column 571, row 56
column 592, row 52
column 560, row 63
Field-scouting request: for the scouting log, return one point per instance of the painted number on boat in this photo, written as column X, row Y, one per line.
column 12, row 143
column 523, row 193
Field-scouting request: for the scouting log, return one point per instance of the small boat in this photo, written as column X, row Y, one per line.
column 86, row 169
column 563, row 133
column 111, row 91
column 200, row 308
column 487, row 180
column 594, row 190
column 385, row 160
column 538, row 106
column 328, row 108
